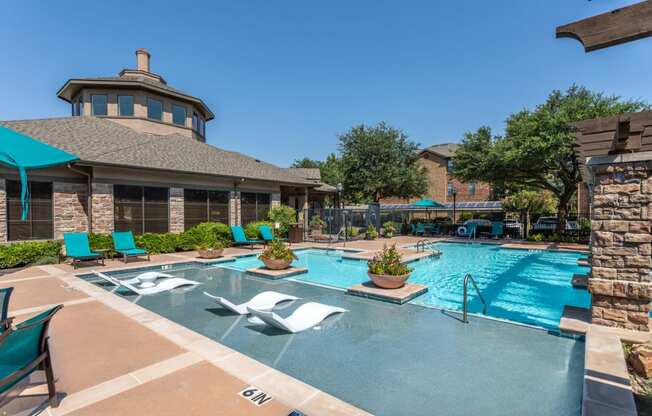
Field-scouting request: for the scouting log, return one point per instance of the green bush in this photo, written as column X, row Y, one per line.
column 284, row 216
column 159, row 243
column 389, row 229
column 205, row 233
column 252, row 232
column 355, row 231
column 372, row 233
column 388, row 262
column 27, row 253
column 277, row 250
column 100, row 241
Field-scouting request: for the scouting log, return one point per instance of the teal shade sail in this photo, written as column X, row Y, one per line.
column 428, row 203
column 21, row 152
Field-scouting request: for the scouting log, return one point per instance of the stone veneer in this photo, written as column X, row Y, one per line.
column 3, row 211
column 176, row 210
column 234, row 207
column 70, row 207
column 621, row 245
column 102, row 202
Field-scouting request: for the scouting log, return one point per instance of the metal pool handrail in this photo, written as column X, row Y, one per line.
column 422, row 244
column 468, row 278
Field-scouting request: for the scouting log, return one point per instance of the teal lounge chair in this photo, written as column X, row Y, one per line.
column 497, row 229
column 267, row 234
column 5, row 295
column 421, row 229
column 240, row 238
column 24, row 349
column 79, row 249
column 123, row 243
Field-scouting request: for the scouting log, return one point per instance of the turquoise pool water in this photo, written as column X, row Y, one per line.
column 527, row 286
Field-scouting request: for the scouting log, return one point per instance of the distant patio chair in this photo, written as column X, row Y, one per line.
column 5, row 295
column 497, row 229
column 79, row 249
column 434, row 229
column 240, row 238
column 421, row 229
column 123, row 243
column 24, row 349
column 413, row 229
column 268, row 235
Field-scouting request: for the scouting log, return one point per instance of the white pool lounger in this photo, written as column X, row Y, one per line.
column 263, row 301
column 306, row 316
column 164, row 286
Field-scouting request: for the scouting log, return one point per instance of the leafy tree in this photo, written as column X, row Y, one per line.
column 284, row 216
column 331, row 170
column 537, row 151
column 528, row 202
column 379, row 162
column 306, row 163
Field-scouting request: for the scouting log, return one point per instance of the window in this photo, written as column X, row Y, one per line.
column 39, row 223
column 154, row 109
column 254, row 206
column 125, row 105
column 141, row 209
column 201, row 206
column 471, row 188
column 98, row 105
column 450, row 189
column 198, row 124
column 449, row 165
column 179, row 115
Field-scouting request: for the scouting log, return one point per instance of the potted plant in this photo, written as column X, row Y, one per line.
column 316, row 224
column 371, row 233
column 386, row 269
column 277, row 256
column 210, row 250
column 389, row 229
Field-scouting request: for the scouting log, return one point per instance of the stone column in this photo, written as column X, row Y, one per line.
column 3, row 211
column 234, row 208
column 621, row 245
column 176, row 210
column 70, row 206
column 102, row 203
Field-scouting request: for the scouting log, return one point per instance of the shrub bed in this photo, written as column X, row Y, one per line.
column 29, row 252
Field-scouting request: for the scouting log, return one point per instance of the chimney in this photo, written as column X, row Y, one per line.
column 142, row 59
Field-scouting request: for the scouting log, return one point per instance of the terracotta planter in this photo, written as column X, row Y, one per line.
column 388, row 282
column 210, row 253
column 273, row 264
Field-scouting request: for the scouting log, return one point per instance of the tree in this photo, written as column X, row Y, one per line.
column 379, row 162
column 528, row 202
column 331, row 170
column 306, row 163
column 537, row 151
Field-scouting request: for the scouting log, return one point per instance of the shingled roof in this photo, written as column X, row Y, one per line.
column 101, row 141
column 445, row 150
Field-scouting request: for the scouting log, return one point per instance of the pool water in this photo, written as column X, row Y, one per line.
column 386, row 359
column 526, row 286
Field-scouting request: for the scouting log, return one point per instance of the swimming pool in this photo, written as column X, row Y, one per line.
column 527, row 286
column 386, row 359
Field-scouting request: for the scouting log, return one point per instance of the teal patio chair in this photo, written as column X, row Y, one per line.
column 413, row 229
column 79, row 249
column 434, row 229
column 268, row 235
column 497, row 229
column 240, row 238
column 24, row 349
column 123, row 243
column 5, row 295
column 421, row 229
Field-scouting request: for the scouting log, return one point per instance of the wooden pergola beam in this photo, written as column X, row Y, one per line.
column 612, row 28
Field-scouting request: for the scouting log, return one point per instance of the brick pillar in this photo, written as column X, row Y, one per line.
column 234, row 208
column 3, row 211
column 176, row 210
column 102, row 202
column 621, row 245
column 69, row 202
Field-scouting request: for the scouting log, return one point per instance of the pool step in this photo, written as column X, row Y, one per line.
column 584, row 262
column 580, row 281
column 575, row 320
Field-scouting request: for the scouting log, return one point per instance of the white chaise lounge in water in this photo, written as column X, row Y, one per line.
column 263, row 301
column 163, row 286
column 306, row 316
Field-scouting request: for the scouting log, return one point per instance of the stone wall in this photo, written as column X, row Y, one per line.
column 3, row 211
column 234, row 208
column 176, row 210
column 102, row 202
column 70, row 207
column 621, row 245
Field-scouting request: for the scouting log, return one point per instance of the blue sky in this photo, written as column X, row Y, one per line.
column 285, row 77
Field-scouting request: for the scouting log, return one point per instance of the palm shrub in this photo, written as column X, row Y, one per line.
column 388, row 262
column 316, row 223
column 276, row 250
column 284, row 216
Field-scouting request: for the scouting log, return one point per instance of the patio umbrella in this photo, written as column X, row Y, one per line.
column 19, row 151
column 428, row 204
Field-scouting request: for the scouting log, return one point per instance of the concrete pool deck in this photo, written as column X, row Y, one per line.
column 112, row 356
